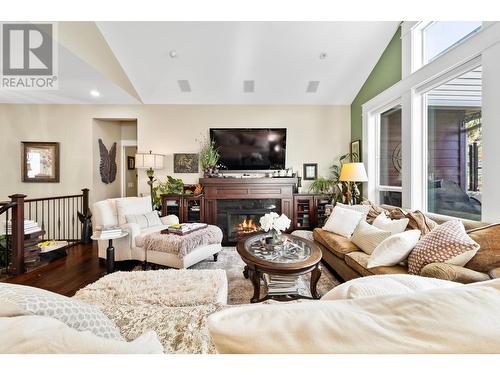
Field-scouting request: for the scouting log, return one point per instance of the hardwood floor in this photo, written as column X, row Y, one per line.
column 67, row 275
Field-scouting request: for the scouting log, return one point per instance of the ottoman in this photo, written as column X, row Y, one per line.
column 182, row 251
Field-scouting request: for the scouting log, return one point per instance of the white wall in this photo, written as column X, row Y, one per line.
column 317, row 134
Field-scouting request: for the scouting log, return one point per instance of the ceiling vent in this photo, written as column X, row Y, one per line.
column 248, row 86
column 184, row 85
column 312, row 87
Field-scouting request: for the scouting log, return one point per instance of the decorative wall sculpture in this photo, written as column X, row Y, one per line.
column 107, row 166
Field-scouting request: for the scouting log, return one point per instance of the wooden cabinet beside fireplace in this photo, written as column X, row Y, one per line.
column 188, row 208
column 309, row 210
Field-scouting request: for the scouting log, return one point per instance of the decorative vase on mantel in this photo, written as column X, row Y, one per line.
column 211, row 171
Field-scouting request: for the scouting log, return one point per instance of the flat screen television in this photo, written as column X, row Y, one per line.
column 250, row 149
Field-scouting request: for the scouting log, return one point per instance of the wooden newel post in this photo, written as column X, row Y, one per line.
column 85, row 203
column 17, row 234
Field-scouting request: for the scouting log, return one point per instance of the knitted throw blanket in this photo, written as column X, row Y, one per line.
column 182, row 245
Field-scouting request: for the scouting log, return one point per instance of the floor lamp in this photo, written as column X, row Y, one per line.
column 150, row 162
column 352, row 173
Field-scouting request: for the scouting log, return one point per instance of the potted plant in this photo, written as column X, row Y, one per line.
column 169, row 186
column 209, row 157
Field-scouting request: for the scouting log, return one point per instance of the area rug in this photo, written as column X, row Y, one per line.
column 240, row 290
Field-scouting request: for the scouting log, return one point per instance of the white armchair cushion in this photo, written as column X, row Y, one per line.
column 170, row 219
column 133, row 230
column 132, row 206
column 104, row 214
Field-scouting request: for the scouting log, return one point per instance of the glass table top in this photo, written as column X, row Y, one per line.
column 292, row 250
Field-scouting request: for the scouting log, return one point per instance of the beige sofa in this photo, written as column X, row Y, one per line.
column 349, row 262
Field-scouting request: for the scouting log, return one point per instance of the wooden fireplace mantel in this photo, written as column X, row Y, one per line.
column 247, row 188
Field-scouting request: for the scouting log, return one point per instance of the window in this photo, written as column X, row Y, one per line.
column 454, row 146
column 390, row 158
column 438, row 37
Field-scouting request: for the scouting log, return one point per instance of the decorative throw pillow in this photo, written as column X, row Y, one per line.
column 418, row 220
column 367, row 237
column 356, row 207
column 394, row 249
column 343, row 221
column 76, row 314
column 373, row 212
column 448, row 243
column 393, row 226
column 151, row 219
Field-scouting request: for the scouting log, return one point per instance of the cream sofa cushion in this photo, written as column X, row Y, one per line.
column 433, row 321
column 378, row 285
column 33, row 334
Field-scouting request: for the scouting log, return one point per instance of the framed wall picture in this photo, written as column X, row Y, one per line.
column 130, row 163
column 310, row 171
column 40, row 161
column 186, row 163
column 356, row 151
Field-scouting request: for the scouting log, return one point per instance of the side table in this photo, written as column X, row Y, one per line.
column 110, row 250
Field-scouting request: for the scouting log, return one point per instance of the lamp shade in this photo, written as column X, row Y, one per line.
column 149, row 160
column 353, row 172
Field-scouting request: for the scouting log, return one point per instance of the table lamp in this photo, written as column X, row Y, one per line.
column 352, row 173
column 150, row 162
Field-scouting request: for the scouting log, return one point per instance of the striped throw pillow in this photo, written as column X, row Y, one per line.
column 367, row 237
column 151, row 219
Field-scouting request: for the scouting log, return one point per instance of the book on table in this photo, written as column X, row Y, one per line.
column 108, row 232
column 183, row 229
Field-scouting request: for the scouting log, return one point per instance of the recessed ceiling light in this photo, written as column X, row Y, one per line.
column 95, row 93
column 312, row 87
column 248, row 86
column 184, row 85
column 173, row 53
column 323, row 55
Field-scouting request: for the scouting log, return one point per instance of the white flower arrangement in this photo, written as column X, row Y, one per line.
column 273, row 221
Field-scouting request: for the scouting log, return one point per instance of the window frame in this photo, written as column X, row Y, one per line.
column 417, row 44
column 410, row 94
column 380, row 187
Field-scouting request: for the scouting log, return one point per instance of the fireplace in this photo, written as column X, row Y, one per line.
column 240, row 217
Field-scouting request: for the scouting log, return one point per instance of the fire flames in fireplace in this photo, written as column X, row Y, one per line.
column 247, row 226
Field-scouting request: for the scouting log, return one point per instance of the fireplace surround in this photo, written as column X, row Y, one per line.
column 230, row 201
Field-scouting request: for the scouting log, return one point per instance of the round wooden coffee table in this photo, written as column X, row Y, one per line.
column 297, row 256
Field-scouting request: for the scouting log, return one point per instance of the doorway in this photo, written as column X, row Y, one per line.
column 129, row 188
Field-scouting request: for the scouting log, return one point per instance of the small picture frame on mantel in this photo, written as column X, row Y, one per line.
column 310, row 171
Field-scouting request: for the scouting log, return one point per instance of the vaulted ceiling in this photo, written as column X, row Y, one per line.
column 316, row 63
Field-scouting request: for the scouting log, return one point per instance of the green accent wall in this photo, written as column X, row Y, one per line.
column 386, row 73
